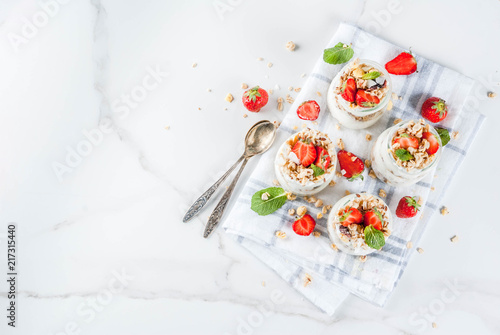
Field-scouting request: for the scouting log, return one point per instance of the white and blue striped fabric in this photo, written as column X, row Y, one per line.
column 335, row 274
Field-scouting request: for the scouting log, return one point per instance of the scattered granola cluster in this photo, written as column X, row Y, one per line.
column 421, row 158
column 354, row 233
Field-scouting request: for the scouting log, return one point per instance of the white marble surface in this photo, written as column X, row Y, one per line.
column 120, row 207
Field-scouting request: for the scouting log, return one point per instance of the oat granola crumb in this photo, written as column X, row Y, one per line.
column 347, row 192
column 307, row 279
column 454, row 239
column 199, row 108
column 372, row 174
column 260, row 58
column 362, row 259
column 289, row 99
column 265, row 196
column 368, row 137
column 315, row 123
column 280, row 104
column 167, row 127
column 209, row 90
column 318, row 203
column 270, row 91
column 295, row 127
column 337, row 126
column 454, row 135
column 433, row 188
column 389, row 105
column 304, row 125
column 394, row 96
column 263, row 283
column 340, row 144
column 318, row 93
column 280, row 234
column 302, row 75
column 420, row 201
column 334, row 247
column 316, row 233
column 409, row 245
column 368, row 163
column 276, row 182
column 324, row 210
column 290, row 46
column 311, row 199
column 338, row 174
column 444, row 210
column 434, row 325
column 245, row 115
column 382, row 193
column 277, row 124
column 269, row 64
column 290, row 88
column 229, row 97
column 244, row 86
column 291, row 212
column 420, row 250
column 396, row 121
column 332, row 183
column 195, row 65
column 291, row 196
column 491, row 94
column 319, row 215
column 297, row 89
column 301, row 210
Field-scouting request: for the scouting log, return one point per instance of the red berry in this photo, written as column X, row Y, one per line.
column 374, row 218
column 434, row 109
column 348, row 91
column 365, row 99
column 351, row 169
column 308, row 110
column 305, row 152
column 304, row 226
column 407, row 207
column 255, row 98
column 349, row 216
column 322, row 158
column 434, row 144
column 406, row 141
column 403, row 64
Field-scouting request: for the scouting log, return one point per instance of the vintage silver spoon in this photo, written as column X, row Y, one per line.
column 258, row 139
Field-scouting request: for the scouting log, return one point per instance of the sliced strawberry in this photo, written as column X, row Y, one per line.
column 350, row 165
column 322, row 158
column 403, row 64
column 365, row 99
column 348, row 91
column 374, row 218
column 304, row 226
column 306, row 152
column 434, row 109
column 308, row 110
column 434, row 144
column 406, row 141
column 349, row 216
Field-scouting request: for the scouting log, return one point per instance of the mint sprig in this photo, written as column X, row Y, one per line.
column 371, row 75
column 276, row 198
column 317, row 170
column 374, row 238
column 339, row 54
column 403, row 154
column 444, row 134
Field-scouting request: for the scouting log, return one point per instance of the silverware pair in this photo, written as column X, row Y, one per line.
column 258, row 140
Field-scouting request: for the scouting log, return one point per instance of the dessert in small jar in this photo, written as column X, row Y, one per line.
column 305, row 163
column 359, row 224
column 406, row 153
column 359, row 94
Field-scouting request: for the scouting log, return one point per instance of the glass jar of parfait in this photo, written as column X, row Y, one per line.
column 359, row 94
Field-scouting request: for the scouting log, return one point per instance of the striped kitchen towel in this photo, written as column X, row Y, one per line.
column 334, row 274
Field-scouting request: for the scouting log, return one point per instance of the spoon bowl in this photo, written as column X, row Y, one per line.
column 259, row 138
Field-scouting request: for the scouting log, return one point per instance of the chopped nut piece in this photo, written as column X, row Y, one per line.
column 244, row 86
column 362, row 259
column 324, row 210
column 394, row 96
column 409, row 245
column 454, row 239
column 368, row 163
column 295, row 127
column 337, row 126
column 229, row 97
column 318, row 203
column 297, row 89
column 340, row 144
column 444, row 211
column 316, row 233
column 389, row 105
column 280, row 104
column 290, row 88
column 334, row 247
column 199, row 108
column 338, row 174
column 276, row 182
column 382, row 193
column 195, row 65
column 420, row 250
column 319, row 215
column 291, row 212
column 311, row 199
column 318, row 93
column 396, row 121
column 280, row 234
column 245, row 115
column 454, row 135
column 260, row 58
column 433, row 188
column 491, row 94
column 290, row 46
column 291, row 196
column 372, row 174
column 302, row 210
column 347, row 192
column 265, row 196
column 332, row 183
column 420, row 201
column 307, row 279
column 269, row 64
column 434, row 325
column 368, row 137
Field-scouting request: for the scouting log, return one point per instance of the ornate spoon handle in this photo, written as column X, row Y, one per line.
column 202, row 200
column 219, row 210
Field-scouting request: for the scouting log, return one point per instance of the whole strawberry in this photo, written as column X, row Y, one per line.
column 255, row 98
column 407, row 207
column 434, row 109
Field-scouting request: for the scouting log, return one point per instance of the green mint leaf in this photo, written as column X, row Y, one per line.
column 371, row 75
column 444, row 134
column 275, row 200
column 338, row 54
column 317, row 170
column 404, row 155
column 374, row 238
